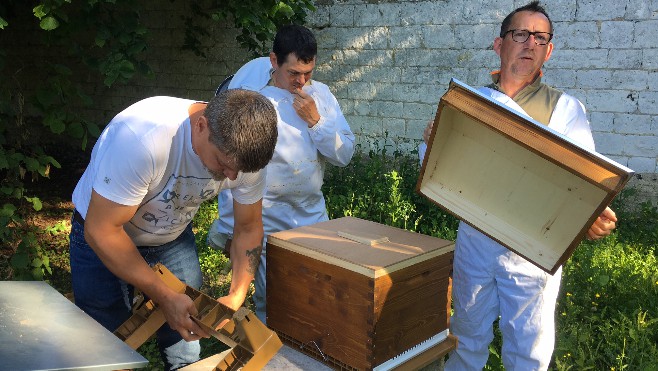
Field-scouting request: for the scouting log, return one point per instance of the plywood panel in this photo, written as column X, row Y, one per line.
column 527, row 187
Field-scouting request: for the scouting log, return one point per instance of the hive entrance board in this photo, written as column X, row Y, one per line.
column 528, row 187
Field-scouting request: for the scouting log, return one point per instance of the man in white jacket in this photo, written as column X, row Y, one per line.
column 312, row 132
column 490, row 281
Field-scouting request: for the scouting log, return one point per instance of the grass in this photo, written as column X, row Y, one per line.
column 607, row 312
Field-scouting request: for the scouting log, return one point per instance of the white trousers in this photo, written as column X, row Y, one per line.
column 490, row 281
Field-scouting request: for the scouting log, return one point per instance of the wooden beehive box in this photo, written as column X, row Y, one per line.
column 528, row 187
column 356, row 294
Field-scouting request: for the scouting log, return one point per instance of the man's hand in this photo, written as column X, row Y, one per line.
column 305, row 107
column 603, row 225
column 232, row 301
column 428, row 131
column 177, row 310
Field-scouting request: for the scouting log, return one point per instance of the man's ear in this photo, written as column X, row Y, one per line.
column 201, row 124
column 275, row 65
column 549, row 50
column 497, row 44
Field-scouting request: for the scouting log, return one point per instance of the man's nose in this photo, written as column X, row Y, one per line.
column 533, row 41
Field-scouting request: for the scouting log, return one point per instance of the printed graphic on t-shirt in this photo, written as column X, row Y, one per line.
column 171, row 210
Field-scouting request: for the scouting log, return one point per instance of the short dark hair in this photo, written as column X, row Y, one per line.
column 294, row 39
column 531, row 7
column 242, row 124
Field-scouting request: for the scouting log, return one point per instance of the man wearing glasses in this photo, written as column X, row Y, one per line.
column 490, row 281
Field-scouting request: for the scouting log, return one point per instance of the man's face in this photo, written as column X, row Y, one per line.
column 524, row 60
column 218, row 163
column 293, row 74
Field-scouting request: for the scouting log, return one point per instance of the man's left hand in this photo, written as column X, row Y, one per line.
column 305, row 107
column 603, row 225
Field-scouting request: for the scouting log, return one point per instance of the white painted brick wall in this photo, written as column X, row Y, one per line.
column 389, row 62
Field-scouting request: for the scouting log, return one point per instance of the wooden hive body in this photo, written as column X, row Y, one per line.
column 521, row 183
column 353, row 304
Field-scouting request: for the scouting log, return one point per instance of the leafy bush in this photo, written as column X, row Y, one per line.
column 607, row 314
column 105, row 40
column 382, row 188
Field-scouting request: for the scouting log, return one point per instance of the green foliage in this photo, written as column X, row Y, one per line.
column 607, row 313
column 638, row 224
column 215, row 267
column 379, row 186
column 151, row 351
column 105, row 39
column 257, row 28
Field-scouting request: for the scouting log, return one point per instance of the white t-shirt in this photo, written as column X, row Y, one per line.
column 145, row 157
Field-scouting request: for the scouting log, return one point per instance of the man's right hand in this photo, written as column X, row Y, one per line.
column 177, row 310
column 105, row 234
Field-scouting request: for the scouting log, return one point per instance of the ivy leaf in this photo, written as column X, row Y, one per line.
column 284, row 9
column 31, row 164
column 36, row 203
column 20, row 260
column 110, row 78
column 49, row 23
column 37, row 273
column 39, row 11
column 93, row 130
column 3, row 23
column 7, row 210
column 76, row 130
column 55, row 123
column 126, row 69
column 50, row 160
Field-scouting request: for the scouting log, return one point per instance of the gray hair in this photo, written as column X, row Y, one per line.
column 243, row 125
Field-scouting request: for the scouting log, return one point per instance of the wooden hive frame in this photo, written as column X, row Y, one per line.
column 252, row 343
column 523, row 184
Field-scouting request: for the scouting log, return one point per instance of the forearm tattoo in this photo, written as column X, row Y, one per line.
column 254, row 259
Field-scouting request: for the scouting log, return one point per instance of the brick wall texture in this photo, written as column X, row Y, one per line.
column 389, row 62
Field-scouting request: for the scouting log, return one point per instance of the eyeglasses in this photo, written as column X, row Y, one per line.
column 521, row 36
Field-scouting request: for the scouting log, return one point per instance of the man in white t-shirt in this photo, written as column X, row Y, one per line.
column 312, row 133
column 150, row 170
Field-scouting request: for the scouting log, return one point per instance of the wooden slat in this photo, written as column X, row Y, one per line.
column 321, row 241
column 561, row 152
column 314, row 301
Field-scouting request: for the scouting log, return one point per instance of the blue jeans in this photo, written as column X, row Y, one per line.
column 108, row 299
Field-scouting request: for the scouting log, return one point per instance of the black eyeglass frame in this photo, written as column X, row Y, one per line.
column 533, row 33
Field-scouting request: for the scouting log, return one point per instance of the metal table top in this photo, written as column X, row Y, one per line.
column 42, row 330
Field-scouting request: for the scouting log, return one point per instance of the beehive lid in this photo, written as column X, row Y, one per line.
column 365, row 247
